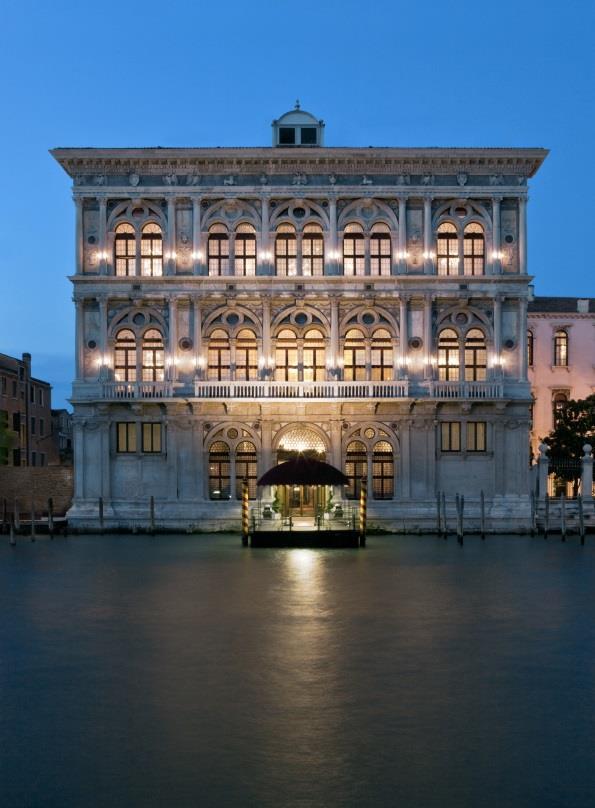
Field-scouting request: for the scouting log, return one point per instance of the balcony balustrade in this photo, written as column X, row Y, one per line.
column 301, row 390
column 273, row 390
column 136, row 390
column 465, row 389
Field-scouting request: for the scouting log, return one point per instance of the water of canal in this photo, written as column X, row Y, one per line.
column 187, row 671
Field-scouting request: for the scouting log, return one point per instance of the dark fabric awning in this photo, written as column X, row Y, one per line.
column 303, row 470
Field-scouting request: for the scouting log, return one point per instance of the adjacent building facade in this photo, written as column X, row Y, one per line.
column 561, row 357
column 235, row 305
column 25, row 413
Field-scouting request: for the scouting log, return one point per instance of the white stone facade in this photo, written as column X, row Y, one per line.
column 234, row 302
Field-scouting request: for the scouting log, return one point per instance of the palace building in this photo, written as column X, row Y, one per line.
column 235, row 306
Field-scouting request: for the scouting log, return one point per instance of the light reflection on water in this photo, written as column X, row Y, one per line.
column 188, row 671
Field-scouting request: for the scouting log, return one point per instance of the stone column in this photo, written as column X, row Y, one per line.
column 196, row 236
column 266, row 335
column 403, row 336
column 78, row 457
column 402, row 265
column 544, row 463
column 266, row 457
column 103, row 258
column 171, row 235
column 587, row 473
column 78, row 235
column 428, row 263
column 105, row 461
column 79, row 329
column 497, row 336
column 428, row 370
column 496, row 260
column 333, row 357
column 197, row 339
column 332, row 263
column 523, row 235
column 104, row 364
column 173, row 338
column 264, row 238
column 523, row 360
column 405, row 436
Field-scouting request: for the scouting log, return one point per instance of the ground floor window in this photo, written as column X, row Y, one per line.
column 151, row 442
column 246, row 468
column 450, row 436
column 383, row 470
column 356, row 467
column 476, row 436
column 219, row 471
column 126, row 437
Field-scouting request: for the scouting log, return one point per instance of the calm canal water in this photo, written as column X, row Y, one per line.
column 187, row 671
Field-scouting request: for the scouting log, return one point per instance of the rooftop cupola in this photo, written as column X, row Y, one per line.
column 298, row 128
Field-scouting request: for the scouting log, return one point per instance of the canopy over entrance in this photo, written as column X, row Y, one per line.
column 302, row 470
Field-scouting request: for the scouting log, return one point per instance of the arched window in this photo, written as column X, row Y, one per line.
column 153, row 365
column 246, row 468
column 245, row 250
column 354, row 252
column 219, row 356
column 380, row 250
column 125, row 250
column 125, row 356
column 285, row 251
column 381, row 355
column 218, row 250
column 219, row 471
column 448, row 356
column 246, row 355
column 447, row 249
column 354, row 356
column 151, row 250
column 561, row 348
column 314, row 356
column 383, row 470
column 530, row 348
column 312, row 250
column 286, row 356
column 559, row 401
column 356, row 467
column 476, row 356
column 473, row 250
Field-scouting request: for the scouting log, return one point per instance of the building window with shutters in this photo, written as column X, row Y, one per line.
column 450, row 436
column 126, row 437
column 151, row 438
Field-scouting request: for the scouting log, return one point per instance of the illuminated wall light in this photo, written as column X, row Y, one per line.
column 429, row 255
column 171, row 256
column 497, row 255
column 198, row 256
column 334, row 255
column 402, row 255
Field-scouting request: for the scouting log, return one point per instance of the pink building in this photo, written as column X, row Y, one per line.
column 561, row 357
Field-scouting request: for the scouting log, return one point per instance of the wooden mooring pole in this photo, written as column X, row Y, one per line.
column 12, row 538
column 51, row 517
column 152, row 516
column 363, row 512
column 533, row 513
column 101, row 515
column 17, row 517
column 438, row 518
column 245, row 513
column 581, row 519
column 32, row 519
column 4, row 516
column 460, row 502
column 546, row 518
column 445, row 533
column 563, row 517
column 482, row 514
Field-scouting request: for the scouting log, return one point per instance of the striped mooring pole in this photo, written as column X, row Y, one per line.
column 363, row 512
column 245, row 513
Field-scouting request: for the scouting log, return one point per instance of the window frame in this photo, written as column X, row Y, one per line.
column 126, row 437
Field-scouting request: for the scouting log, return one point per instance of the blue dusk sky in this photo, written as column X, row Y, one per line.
column 190, row 73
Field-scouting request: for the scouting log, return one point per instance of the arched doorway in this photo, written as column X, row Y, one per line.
column 301, row 500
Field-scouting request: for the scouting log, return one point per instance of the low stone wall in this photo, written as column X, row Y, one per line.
column 23, row 483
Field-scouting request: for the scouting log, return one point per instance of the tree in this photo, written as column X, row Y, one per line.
column 575, row 426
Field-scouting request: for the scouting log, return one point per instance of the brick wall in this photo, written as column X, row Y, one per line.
column 41, row 483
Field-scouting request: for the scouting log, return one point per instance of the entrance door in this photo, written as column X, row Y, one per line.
column 302, row 500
